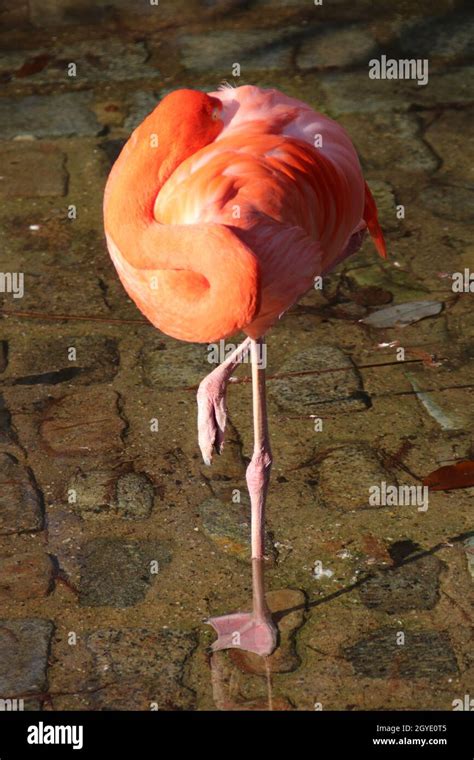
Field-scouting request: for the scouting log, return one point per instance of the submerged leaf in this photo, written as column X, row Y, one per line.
column 403, row 314
column 469, row 549
column 443, row 419
column 372, row 296
column 33, row 65
column 459, row 475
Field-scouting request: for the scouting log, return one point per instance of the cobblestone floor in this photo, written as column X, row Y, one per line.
column 116, row 542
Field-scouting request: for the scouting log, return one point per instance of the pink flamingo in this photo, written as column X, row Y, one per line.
column 219, row 213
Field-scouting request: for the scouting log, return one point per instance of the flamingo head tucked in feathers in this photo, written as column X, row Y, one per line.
column 194, row 110
column 184, row 121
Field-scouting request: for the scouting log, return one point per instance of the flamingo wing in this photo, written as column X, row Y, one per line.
column 265, row 188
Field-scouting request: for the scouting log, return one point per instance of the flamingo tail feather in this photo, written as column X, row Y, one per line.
column 372, row 221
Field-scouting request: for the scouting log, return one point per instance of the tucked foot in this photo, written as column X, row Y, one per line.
column 243, row 631
column 212, row 416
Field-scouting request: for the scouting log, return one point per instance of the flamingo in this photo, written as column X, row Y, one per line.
column 219, row 213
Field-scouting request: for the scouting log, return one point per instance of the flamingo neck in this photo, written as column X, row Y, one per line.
column 149, row 172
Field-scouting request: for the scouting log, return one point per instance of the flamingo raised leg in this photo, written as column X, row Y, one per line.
column 211, row 400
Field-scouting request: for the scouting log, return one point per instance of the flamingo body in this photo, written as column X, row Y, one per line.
column 227, row 235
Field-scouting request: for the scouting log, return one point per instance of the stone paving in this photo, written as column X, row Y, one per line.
column 115, row 541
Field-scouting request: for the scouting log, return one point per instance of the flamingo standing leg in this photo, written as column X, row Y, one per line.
column 254, row 631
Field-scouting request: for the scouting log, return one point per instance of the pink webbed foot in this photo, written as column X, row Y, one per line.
column 212, row 416
column 242, row 631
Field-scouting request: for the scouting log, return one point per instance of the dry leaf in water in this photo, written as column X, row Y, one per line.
column 403, row 314
column 459, row 475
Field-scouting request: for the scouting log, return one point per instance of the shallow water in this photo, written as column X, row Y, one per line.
column 106, row 525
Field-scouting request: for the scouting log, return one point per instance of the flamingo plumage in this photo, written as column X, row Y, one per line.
column 219, row 213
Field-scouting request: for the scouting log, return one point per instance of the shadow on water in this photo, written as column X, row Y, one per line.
column 368, row 576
